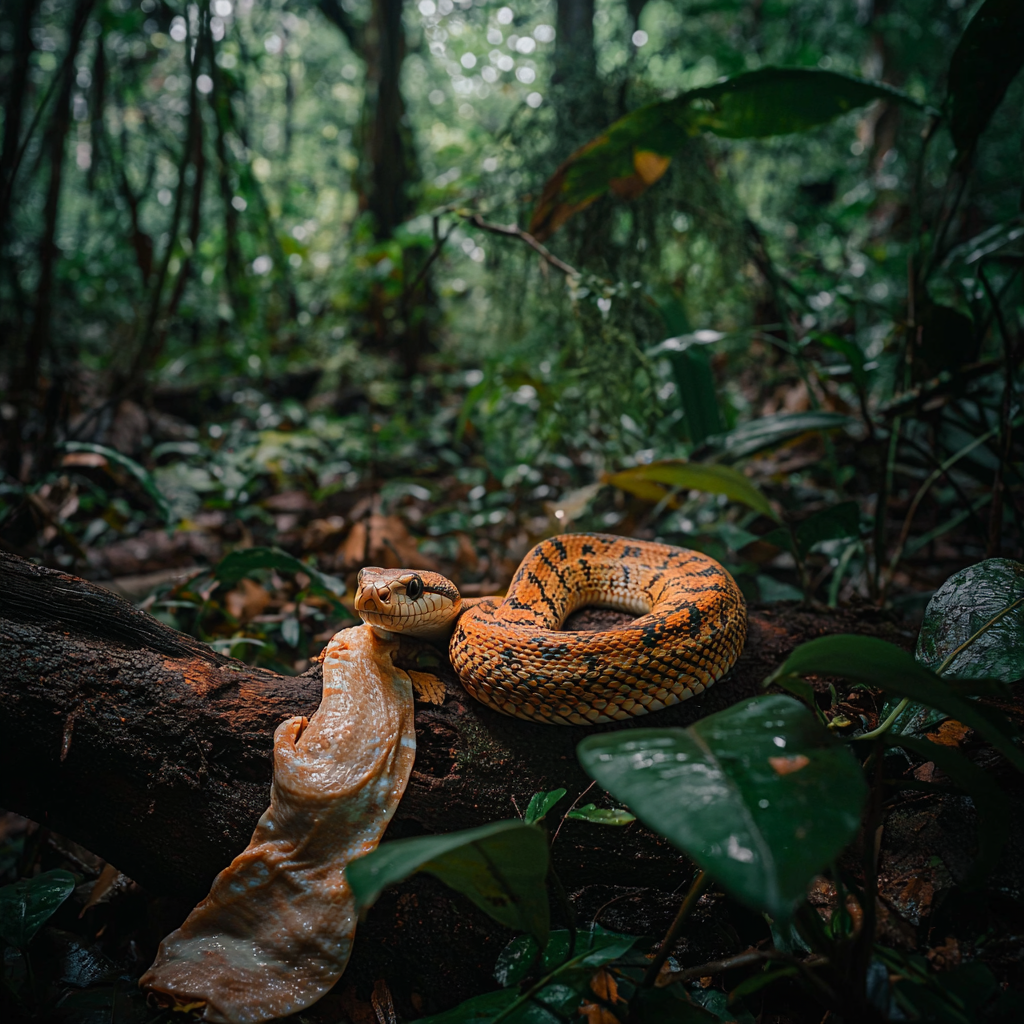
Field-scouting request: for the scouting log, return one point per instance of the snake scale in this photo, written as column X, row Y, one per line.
column 512, row 655
column 276, row 930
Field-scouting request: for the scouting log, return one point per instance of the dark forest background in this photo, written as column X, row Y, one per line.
column 288, row 288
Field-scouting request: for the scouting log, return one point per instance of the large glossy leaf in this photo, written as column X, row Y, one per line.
column 239, row 564
column 501, row 867
column 964, row 605
column 988, row 57
column 652, row 482
column 759, row 795
column 769, row 431
column 874, row 662
column 25, row 906
column 636, row 150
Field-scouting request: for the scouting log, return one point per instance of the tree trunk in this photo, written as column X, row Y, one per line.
column 146, row 747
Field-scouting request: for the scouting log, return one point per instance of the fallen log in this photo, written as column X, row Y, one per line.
column 148, row 748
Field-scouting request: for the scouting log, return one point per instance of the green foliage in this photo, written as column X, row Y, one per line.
column 651, row 481
column 540, row 804
column 635, row 151
column 26, row 905
column 873, row 662
column 759, row 794
column 973, row 623
column 501, row 868
column 987, row 58
column 600, row 815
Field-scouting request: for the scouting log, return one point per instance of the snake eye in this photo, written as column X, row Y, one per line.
column 414, row 588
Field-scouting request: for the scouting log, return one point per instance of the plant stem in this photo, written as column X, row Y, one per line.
column 887, row 724
column 685, row 908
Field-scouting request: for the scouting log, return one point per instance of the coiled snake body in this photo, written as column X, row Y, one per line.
column 512, row 655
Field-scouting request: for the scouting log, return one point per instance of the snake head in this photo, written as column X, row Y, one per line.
column 419, row 604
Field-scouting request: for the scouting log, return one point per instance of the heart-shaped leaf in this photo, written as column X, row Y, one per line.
column 759, row 795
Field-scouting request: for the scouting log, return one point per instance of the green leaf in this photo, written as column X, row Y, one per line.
column 501, row 867
column 987, row 58
column 634, row 152
column 989, row 800
column 768, row 431
column 478, row 1010
column 962, row 606
column 130, row 466
column 593, row 948
column 671, row 1005
column 874, row 662
column 609, row 816
column 26, row 905
column 540, row 804
column 291, row 632
column 779, row 101
column 239, row 564
column 691, row 368
column 852, row 351
column 650, row 482
column 828, row 524
column 759, row 795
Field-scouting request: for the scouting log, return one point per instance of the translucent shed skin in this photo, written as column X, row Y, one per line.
column 276, row 930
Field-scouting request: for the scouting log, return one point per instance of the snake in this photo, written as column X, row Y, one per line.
column 277, row 928
column 512, row 654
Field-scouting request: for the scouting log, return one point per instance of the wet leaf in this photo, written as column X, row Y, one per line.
column 602, row 816
column 540, row 804
column 987, row 58
column 712, row 791
column 651, row 482
column 501, row 867
column 961, row 607
column 26, row 905
column 592, row 948
column 877, row 663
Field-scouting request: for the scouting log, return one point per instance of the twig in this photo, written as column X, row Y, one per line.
column 685, row 909
column 514, row 231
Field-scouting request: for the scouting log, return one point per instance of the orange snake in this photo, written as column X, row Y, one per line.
column 512, row 655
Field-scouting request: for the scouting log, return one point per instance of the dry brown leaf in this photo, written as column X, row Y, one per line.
column 247, row 600
column 384, row 541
